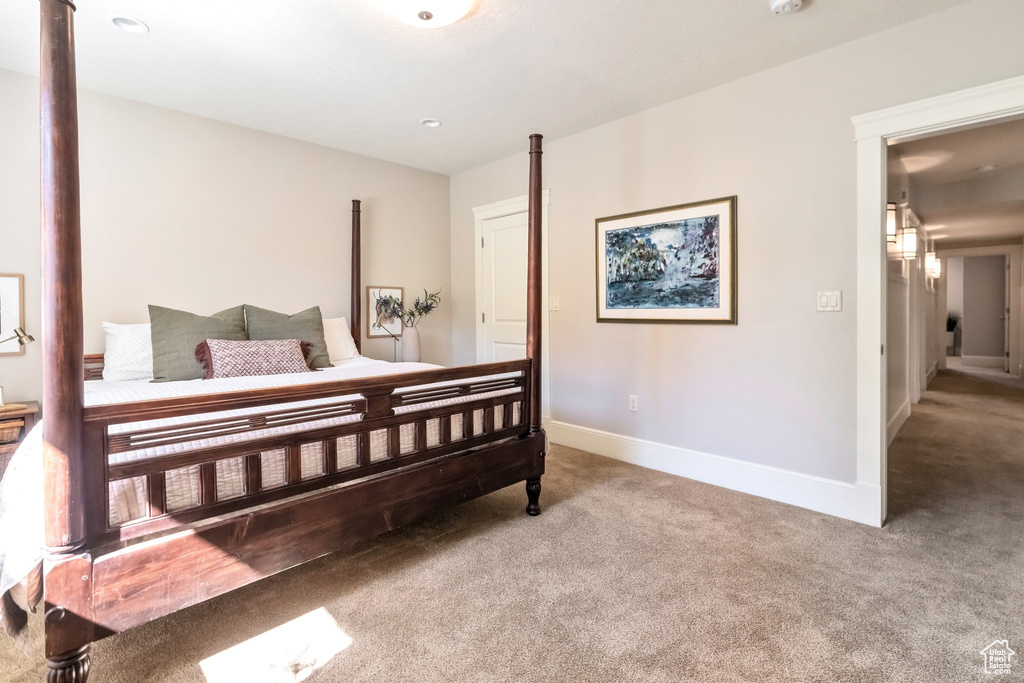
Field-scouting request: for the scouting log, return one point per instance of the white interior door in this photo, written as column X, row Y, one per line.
column 502, row 331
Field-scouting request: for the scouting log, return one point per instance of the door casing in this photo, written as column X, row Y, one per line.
column 509, row 207
column 873, row 132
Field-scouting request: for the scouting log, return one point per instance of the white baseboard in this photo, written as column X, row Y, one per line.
column 983, row 360
column 896, row 422
column 855, row 502
column 932, row 372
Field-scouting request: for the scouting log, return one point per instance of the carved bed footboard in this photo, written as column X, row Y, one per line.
column 286, row 444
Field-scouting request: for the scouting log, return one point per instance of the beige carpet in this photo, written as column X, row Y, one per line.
column 634, row 575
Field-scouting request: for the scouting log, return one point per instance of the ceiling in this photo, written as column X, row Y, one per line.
column 969, row 185
column 988, row 223
column 959, row 156
column 346, row 74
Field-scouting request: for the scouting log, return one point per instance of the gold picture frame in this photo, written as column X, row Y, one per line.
column 675, row 264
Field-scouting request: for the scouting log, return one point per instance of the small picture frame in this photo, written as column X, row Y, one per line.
column 12, row 312
column 378, row 324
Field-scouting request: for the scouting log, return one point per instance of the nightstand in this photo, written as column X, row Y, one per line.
column 16, row 419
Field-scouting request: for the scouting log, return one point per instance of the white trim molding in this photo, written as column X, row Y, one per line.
column 510, row 207
column 896, row 422
column 984, row 361
column 959, row 109
column 838, row 498
column 872, row 133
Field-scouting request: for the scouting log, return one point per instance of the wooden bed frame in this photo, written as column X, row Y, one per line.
column 102, row 578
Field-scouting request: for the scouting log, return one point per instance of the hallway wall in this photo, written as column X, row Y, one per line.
column 933, row 318
column 897, row 355
column 954, row 268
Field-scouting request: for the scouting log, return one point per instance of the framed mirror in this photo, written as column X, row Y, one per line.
column 12, row 312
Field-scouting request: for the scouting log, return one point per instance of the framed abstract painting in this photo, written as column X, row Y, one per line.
column 671, row 265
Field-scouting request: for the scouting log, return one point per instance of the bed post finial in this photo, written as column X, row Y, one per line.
column 68, row 625
column 355, row 323
column 534, row 304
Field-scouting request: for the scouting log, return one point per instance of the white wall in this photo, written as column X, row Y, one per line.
column 196, row 214
column 779, row 388
column 933, row 334
column 900, row 299
column 954, row 270
column 897, row 349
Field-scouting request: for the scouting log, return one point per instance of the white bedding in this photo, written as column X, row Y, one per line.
column 21, row 532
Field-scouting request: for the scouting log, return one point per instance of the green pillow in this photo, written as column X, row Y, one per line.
column 307, row 326
column 176, row 334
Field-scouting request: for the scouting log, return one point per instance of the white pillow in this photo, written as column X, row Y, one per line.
column 340, row 346
column 129, row 353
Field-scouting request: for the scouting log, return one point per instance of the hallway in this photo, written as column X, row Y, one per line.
column 958, row 462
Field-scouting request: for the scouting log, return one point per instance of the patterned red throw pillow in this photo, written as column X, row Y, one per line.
column 223, row 358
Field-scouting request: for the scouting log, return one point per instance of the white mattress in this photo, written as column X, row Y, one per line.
column 128, row 497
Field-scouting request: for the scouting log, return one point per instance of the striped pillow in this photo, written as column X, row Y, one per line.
column 224, row 358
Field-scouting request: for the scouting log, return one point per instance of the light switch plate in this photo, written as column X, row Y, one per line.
column 830, row 302
column 553, row 303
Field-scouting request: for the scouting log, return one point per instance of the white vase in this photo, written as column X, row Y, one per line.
column 411, row 345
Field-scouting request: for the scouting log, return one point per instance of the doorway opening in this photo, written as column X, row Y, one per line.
column 896, row 266
column 954, row 315
column 500, row 234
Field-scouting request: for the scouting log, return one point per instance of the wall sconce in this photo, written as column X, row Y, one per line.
column 908, row 243
column 890, row 223
column 932, row 264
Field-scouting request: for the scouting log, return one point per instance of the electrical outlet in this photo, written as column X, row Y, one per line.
column 634, row 404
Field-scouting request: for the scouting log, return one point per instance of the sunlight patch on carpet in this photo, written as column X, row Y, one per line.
column 288, row 653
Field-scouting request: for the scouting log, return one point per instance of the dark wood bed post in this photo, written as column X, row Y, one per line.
column 534, row 306
column 355, row 322
column 68, row 573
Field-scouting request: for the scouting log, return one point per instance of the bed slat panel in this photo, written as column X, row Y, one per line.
column 156, row 487
column 208, row 483
column 330, row 463
column 394, row 442
column 405, row 438
column 253, row 474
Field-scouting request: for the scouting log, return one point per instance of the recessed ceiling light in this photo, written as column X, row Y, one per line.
column 986, row 168
column 429, row 13
column 130, row 25
column 431, row 123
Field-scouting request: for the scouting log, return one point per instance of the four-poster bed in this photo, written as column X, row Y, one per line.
column 448, row 435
